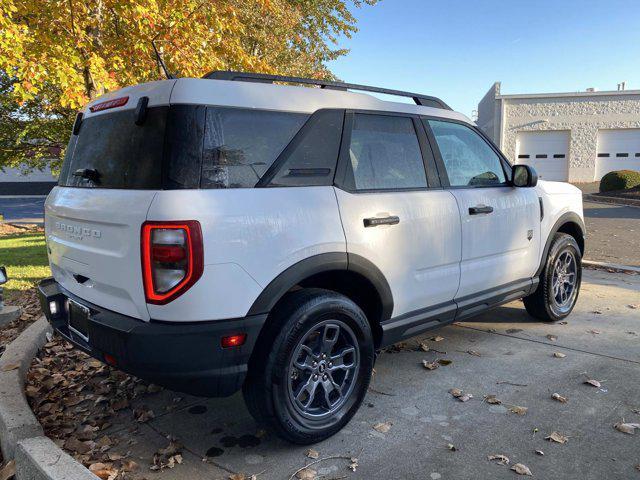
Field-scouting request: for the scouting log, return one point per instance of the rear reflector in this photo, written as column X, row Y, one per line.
column 172, row 259
column 234, row 340
column 115, row 103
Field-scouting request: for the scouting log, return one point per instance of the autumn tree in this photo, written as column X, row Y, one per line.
column 57, row 55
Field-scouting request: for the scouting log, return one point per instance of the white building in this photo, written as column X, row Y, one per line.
column 576, row 137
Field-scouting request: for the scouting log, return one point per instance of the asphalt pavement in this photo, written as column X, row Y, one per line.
column 432, row 435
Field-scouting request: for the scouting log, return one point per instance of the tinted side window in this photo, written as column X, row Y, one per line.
column 241, row 144
column 311, row 157
column 468, row 159
column 385, row 153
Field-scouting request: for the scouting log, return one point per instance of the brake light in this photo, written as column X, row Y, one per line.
column 115, row 103
column 172, row 259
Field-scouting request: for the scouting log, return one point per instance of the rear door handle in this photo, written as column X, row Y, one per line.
column 375, row 221
column 478, row 209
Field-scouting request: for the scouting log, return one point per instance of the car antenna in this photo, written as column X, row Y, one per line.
column 168, row 74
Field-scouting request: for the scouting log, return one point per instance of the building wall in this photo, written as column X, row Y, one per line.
column 14, row 182
column 583, row 116
column 489, row 113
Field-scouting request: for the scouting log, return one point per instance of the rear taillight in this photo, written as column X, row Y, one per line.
column 171, row 259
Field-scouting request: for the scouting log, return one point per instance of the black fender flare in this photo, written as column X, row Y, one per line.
column 568, row 217
column 324, row 262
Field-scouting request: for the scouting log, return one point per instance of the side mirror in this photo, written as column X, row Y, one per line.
column 524, row 176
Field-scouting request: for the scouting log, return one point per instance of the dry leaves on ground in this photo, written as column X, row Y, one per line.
column 430, row 365
column 592, row 382
column 382, row 427
column 460, row 395
column 559, row 355
column 306, row 474
column 437, row 338
column 559, row 398
column 311, row 453
column 452, row 447
column 594, row 332
column 628, row 428
column 492, row 400
column 557, row 437
column 167, row 457
column 521, row 469
column 518, row 410
column 354, row 464
column 76, row 397
column 552, row 338
column 28, row 302
column 502, row 459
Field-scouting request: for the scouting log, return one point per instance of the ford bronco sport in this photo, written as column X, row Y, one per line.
column 233, row 232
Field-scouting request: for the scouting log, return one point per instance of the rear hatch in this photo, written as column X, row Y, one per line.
column 110, row 175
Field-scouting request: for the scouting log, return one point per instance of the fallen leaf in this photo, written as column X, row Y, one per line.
column 595, row 332
column 143, row 414
column 437, row 338
column 237, row 476
column 492, row 400
column 460, row 395
column 557, row 437
column 627, row 427
column 540, row 452
column 451, row 447
column 76, row 446
column 514, row 330
column 382, row 427
column 8, row 471
column 444, row 362
column 354, row 464
column 559, row 398
column 306, row 474
column 129, row 466
column 597, row 312
column 502, row 459
column 521, row 469
column 634, row 306
column 474, row 353
column 552, row 338
column 593, row 382
column 430, row 365
column 311, row 453
column 559, row 355
column 10, row 366
column 518, row 410
column 424, row 346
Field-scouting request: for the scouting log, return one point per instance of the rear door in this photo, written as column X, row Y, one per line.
column 394, row 212
column 500, row 223
column 110, row 176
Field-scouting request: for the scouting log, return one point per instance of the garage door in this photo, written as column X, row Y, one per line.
column 618, row 150
column 547, row 152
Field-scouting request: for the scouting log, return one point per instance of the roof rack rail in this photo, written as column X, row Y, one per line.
column 423, row 100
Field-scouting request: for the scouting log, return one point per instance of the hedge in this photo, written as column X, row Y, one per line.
column 620, row 180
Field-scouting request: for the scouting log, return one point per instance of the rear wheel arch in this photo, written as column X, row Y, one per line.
column 348, row 274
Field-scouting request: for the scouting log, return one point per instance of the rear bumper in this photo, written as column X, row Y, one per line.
column 183, row 357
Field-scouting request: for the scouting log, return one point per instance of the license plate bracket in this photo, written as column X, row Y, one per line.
column 79, row 319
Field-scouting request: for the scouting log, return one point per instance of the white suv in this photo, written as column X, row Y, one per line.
column 231, row 232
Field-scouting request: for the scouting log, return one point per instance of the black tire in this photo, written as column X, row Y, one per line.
column 544, row 304
column 273, row 378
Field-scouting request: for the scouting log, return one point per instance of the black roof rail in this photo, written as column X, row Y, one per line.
column 423, row 100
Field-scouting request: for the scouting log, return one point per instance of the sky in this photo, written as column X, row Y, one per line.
column 456, row 49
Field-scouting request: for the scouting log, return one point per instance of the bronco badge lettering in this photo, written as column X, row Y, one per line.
column 78, row 232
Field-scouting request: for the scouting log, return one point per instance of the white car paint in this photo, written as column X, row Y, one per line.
column 435, row 254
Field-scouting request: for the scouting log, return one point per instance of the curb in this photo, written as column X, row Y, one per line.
column 17, row 421
column 8, row 314
column 626, row 202
column 39, row 458
column 21, row 436
column 611, row 266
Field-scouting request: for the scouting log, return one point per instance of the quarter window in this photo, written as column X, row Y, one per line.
column 385, row 153
column 468, row 159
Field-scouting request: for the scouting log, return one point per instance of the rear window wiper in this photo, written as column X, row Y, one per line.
column 89, row 173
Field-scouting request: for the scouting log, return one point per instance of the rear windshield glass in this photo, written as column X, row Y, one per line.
column 111, row 151
column 178, row 147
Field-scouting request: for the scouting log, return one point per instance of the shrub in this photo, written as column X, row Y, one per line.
column 620, row 180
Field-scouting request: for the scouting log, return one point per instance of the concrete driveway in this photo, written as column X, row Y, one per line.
column 512, row 358
column 613, row 233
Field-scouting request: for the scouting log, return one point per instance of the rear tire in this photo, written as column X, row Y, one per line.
column 311, row 367
column 560, row 281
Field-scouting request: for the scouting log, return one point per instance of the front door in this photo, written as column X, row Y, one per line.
column 391, row 213
column 500, row 223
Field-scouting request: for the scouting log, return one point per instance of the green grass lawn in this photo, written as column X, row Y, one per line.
column 25, row 256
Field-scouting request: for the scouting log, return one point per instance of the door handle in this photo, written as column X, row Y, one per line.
column 375, row 221
column 478, row 209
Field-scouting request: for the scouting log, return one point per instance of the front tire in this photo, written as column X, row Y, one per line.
column 311, row 367
column 560, row 281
